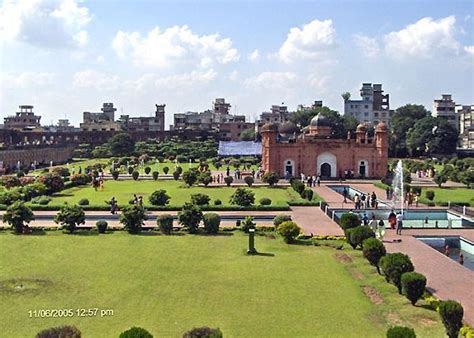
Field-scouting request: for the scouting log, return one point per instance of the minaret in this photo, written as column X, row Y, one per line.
column 269, row 142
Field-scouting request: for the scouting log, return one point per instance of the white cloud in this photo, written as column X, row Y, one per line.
column 469, row 49
column 93, row 79
column 424, row 38
column 27, row 79
column 308, row 42
column 254, row 56
column 44, row 23
column 368, row 46
column 270, row 80
column 234, row 75
column 176, row 45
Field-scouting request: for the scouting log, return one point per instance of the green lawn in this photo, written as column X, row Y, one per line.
column 171, row 284
column 454, row 195
column 123, row 191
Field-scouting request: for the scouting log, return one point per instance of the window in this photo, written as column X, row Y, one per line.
column 366, row 106
column 366, row 114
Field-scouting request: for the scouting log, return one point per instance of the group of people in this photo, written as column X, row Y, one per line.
column 378, row 227
column 310, row 181
column 362, row 201
column 410, row 198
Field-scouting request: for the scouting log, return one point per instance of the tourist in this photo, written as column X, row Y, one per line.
column 227, row 171
column 318, row 180
column 362, row 201
column 416, row 200
column 310, row 181
column 356, row 201
column 373, row 223
column 392, row 219
column 367, row 201
column 461, row 259
column 345, row 193
column 399, row 223
column 380, row 230
column 373, row 199
column 446, row 250
column 365, row 219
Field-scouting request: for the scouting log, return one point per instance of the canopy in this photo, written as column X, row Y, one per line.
column 241, row 148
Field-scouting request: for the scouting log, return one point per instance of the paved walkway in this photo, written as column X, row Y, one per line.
column 314, row 220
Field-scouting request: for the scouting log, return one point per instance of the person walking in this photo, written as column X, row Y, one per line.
column 345, row 193
column 356, row 201
column 365, row 219
column 373, row 224
column 380, row 230
column 318, row 180
column 392, row 219
column 399, row 223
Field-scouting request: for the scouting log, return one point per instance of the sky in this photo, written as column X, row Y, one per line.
column 69, row 56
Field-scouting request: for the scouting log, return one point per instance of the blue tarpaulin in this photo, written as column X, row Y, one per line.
column 241, row 148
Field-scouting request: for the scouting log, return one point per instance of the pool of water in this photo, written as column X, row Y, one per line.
column 457, row 245
column 352, row 192
column 415, row 218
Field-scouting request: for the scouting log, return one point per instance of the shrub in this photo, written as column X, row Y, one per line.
column 179, row 170
column 159, row 197
column 394, row 266
column 249, row 180
column 356, row 236
column 17, row 215
column 60, row 332
column 10, row 181
column 265, row 201
column 115, row 174
column 440, row 179
column 80, row 179
column 242, row 197
column 132, row 218
column 289, row 230
column 61, row 171
column 228, row 180
column 416, row 190
column 373, row 250
column 101, row 226
column 165, row 223
column 307, row 194
column 135, row 175
column 166, row 170
column 190, row 216
column 176, row 175
column 52, row 182
column 70, row 216
column 400, row 332
column 155, row 175
column 205, row 178
column 280, row 219
column 211, row 222
column 297, row 186
column 451, row 313
column 200, row 199
column 131, row 170
column 349, row 221
column 147, row 170
column 413, row 286
column 271, row 178
column 33, row 190
column 203, row 332
column 190, row 177
column 217, row 202
column 83, row 201
column 136, row 332
column 430, row 195
column 41, row 200
column 247, row 224
column 10, row 197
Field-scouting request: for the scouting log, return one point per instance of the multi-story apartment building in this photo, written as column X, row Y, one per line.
column 277, row 114
column 103, row 121
column 25, row 119
column 372, row 108
column 316, row 104
column 145, row 123
column 466, row 126
column 446, row 108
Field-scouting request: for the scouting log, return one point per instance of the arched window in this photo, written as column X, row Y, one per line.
column 289, row 168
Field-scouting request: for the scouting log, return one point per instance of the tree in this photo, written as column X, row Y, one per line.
column 440, row 179
column 190, row 216
column 373, row 250
column 349, row 220
column 147, row 170
column 190, row 177
column 17, row 215
column 211, row 223
column 70, row 216
column 394, row 266
column 249, row 180
column 115, row 174
column 430, row 195
column 247, row 224
column 356, row 236
column 228, row 180
column 242, row 197
column 400, row 332
column 53, row 182
column 289, row 230
column 136, row 332
column 159, row 197
column 205, row 178
column 135, row 175
column 271, row 178
column 101, row 226
column 346, row 96
column 451, row 313
column 132, row 218
column 200, row 199
column 279, row 219
column 60, row 331
column 166, row 170
column 203, row 332
column 413, row 286
column 121, row 145
column 165, row 223
column 307, row 194
column 155, row 175
column 248, row 135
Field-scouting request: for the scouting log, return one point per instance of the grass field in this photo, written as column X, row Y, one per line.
column 171, row 284
column 454, row 195
column 179, row 193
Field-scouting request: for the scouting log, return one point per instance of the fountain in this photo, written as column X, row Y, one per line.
column 397, row 186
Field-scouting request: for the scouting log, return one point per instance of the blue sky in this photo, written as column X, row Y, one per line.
column 69, row 56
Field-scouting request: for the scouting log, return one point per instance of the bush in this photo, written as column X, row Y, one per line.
column 52, row 182
column 228, row 180
column 280, row 219
column 265, row 201
column 101, row 226
column 451, row 313
column 115, row 175
column 349, row 221
column 217, row 202
column 135, row 175
column 147, row 170
column 190, row 216
column 289, row 230
column 155, row 175
column 165, row 223
column 205, row 178
column 33, row 190
column 166, row 170
column 131, row 170
column 10, row 181
column 10, row 197
column 430, row 195
column 270, row 178
column 190, row 177
column 179, row 170
column 17, row 215
column 41, row 200
column 356, row 236
column 80, row 179
column 242, row 197
column 159, row 197
column 136, row 332
column 200, row 199
column 297, row 186
column 394, row 266
column 211, row 222
column 132, row 218
column 416, row 190
column 70, row 216
column 247, row 224
column 400, row 332
column 373, row 250
column 60, row 332
column 83, row 201
column 307, row 194
column 176, row 175
column 203, row 332
column 249, row 180
column 413, row 286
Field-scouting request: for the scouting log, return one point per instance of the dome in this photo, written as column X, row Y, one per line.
column 288, row 128
column 381, row 126
column 270, row 127
column 361, row 128
column 320, row 121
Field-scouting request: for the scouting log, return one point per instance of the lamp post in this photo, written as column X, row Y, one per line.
column 251, row 250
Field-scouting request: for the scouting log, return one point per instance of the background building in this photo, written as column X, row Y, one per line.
column 23, row 120
column 446, row 108
column 466, row 126
column 145, row 123
column 104, row 121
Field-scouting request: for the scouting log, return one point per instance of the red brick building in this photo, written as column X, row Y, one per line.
column 312, row 151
